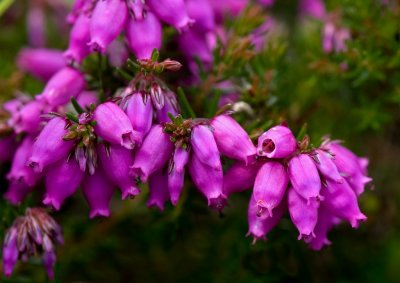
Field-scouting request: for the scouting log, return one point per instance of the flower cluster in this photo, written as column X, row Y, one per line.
column 318, row 186
column 35, row 233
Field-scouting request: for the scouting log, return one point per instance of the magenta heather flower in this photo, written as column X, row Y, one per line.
column 17, row 192
column 173, row 12
column 41, row 63
column 326, row 221
column 304, row 215
column 144, row 35
column 49, row 146
column 202, row 13
column 107, row 22
column 209, row 181
column 153, row 154
column 313, row 8
column 304, row 177
column 277, row 142
column 27, row 118
column 86, row 98
column 342, row 202
column 19, row 172
column 232, row 139
column 205, row 147
column 36, row 24
column 35, row 233
column 270, row 186
column 113, row 125
column 158, row 186
column 117, row 53
column 326, row 165
column 240, row 177
column 177, row 175
column 65, row 84
column 62, row 180
column 170, row 106
column 116, row 160
column 79, row 38
column 140, row 113
column 260, row 225
column 98, row 192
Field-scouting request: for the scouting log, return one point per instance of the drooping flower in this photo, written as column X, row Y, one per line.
column 277, row 142
column 158, row 186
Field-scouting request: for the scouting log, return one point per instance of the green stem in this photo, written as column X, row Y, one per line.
column 185, row 103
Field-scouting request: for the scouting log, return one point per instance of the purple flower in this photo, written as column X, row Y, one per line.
column 36, row 23
column 342, row 202
column 304, row 176
column 326, row 166
column 277, row 142
column 113, row 125
column 153, row 154
column 270, row 186
column 116, row 161
column 79, row 38
column 177, row 174
column 232, row 139
column 65, row 84
column 144, row 35
column 173, row 12
column 17, row 192
column 49, row 260
column 304, row 216
column 209, row 181
column 313, row 8
column 260, row 225
column 98, row 192
column 140, row 113
column 170, row 106
column 202, row 13
column 27, row 119
column 158, row 186
column 108, row 21
column 19, row 172
column 62, row 180
column 10, row 251
column 49, row 146
column 205, row 147
column 75, row 11
column 41, row 63
column 86, row 98
column 137, row 8
column 117, row 53
column 240, row 177
column 326, row 221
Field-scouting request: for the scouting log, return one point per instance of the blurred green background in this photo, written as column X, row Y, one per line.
column 291, row 79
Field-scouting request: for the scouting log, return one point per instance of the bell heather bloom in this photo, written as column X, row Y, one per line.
column 326, row 165
column 113, row 125
column 202, row 13
column 79, row 38
column 62, row 180
column 158, row 186
column 19, row 172
column 177, row 174
column 65, row 84
column 35, row 233
column 144, row 35
column 342, row 202
column 116, row 160
column 205, row 147
column 304, row 216
column 41, row 63
column 49, row 146
column 304, row 177
column 75, row 11
column 260, row 225
column 325, row 223
column 173, row 12
column 98, row 192
column 209, row 181
column 17, row 192
column 270, row 186
column 107, row 22
column 277, row 142
column 240, row 177
column 140, row 113
column 334, row 38
column 312, row 8
column 137, row 8
column 36, row 23
column 153, row 154
column 27, row 118
column 117, row 53
column 351, row 167
column 232, row 139
column 86, row 98
column 170, row 106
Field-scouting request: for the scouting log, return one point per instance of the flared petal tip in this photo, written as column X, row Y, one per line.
column 53, row 203
column 218, row 203
column 97, row 46
column 137, row 172
column 36, row 165
column 355, row 222
column 12, row 198
column 256, row 237
column 99, row 213
column 319, row 245
column 130, row 192
column 155, row 204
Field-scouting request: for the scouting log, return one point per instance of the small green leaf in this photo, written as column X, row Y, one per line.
column 185, row 103
column 76, row 106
